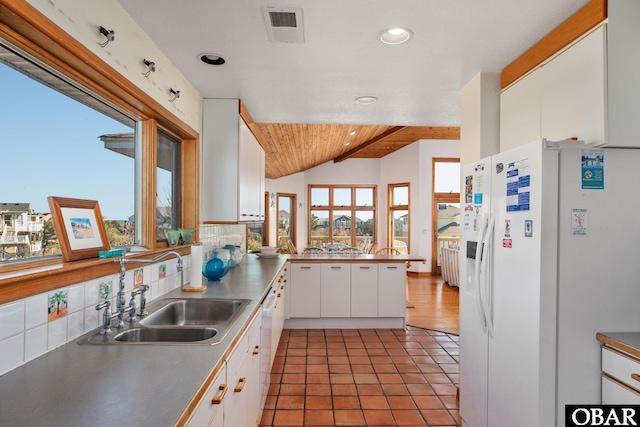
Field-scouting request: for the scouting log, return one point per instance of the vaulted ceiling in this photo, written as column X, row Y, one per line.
column 302, row 94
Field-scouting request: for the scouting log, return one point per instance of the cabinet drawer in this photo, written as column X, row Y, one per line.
column 621, row 367
column 614, row 393
column 208, row 408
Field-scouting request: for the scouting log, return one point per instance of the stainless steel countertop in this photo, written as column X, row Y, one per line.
column 137, row 385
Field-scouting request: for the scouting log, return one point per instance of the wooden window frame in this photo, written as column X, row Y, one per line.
column 353, row 208
column 28, row 29
column 393, row 208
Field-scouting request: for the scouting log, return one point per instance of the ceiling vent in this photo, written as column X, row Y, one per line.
column 284, row 24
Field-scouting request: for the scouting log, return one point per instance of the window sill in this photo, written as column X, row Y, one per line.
column 46, row 275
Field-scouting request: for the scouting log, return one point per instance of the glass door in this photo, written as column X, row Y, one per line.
column 446, row 209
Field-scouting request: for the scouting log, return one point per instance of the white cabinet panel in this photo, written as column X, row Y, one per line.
column 520, row 112
column 210, row 410
column 573, row 92
column 617, row 394
column 392, row 290
column 305, row 290
column 232, row 165
column 364, row 290
column 335, row 290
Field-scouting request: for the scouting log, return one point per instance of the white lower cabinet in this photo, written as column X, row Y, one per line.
column 347, row 290
column 305, row 295
column 364, row 290
column 392, row 290
column 233, row 399
column 335, row 290
column 210, row 411
column 620, row 378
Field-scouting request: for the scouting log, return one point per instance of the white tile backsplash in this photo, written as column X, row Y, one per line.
column 91, row 297
column 36, row 311
column 35, row 342
column 57, row 334
column 75, row 325
column 91, row 318
column 75, row 298
column 25, row 333
column 11, row 319
column 12, row 351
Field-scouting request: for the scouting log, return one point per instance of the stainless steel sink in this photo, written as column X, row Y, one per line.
column 195, row 312
column 176, row 321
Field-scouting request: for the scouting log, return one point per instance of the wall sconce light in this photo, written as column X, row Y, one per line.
column 151, row 67
column 175, row 93
column 109, row 34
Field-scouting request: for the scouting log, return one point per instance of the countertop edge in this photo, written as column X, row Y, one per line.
column 620, row 341
column 355, row 258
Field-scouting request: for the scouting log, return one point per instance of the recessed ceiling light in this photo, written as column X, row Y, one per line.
column 366, row 100
column 395, row 35
column 353, row 132
column 211, row 58
column 347, row 143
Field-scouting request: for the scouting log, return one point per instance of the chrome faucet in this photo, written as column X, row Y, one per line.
column 121, row 304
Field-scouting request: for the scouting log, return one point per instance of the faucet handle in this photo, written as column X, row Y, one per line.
column 106, row 316
column 132, row 306
column 143, row 301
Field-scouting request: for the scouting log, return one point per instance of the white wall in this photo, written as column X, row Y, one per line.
column 126, row 54
column 413, row 164
column 292, row 184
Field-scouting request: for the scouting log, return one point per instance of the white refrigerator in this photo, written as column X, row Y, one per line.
column 549, row 257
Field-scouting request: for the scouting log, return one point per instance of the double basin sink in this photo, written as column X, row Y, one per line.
column 177, row 321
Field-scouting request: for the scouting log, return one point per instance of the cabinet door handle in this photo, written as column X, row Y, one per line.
column 218, row 399
column 364, row 268
column 241, row 382
column 305, row 267
column 256, row 350
column 391, row 268
column 635, row 377
column 335, row 267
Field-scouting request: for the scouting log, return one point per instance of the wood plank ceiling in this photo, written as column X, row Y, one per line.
column 293, row 148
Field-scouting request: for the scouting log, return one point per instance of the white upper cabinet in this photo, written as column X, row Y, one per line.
column 573, row 92
column 563, row 99
column 232, row 166
column 520, row 112
column 589, row 91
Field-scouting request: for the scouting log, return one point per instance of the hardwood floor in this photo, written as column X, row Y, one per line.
column 436, row 304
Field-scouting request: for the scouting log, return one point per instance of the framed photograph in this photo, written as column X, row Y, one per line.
column 79, row 227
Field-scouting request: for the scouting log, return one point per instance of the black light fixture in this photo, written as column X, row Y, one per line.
column 211, row 58
column 151, row 67
column 175, row 93
column 109, row 34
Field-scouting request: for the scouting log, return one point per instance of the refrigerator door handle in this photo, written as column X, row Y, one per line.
column 478, row 282
column 488, row 273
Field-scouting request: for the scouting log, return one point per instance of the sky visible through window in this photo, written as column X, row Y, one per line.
column 50, row 147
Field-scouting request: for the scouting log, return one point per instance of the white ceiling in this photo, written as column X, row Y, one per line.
column 417, row 83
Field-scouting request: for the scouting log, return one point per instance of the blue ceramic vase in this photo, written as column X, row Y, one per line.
column 215, row 269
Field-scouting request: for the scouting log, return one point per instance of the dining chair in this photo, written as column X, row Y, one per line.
column 387, row 251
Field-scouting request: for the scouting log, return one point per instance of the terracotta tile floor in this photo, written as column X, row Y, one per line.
column 364, row 377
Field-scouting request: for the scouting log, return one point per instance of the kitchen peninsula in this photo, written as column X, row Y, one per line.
column 347, row 291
